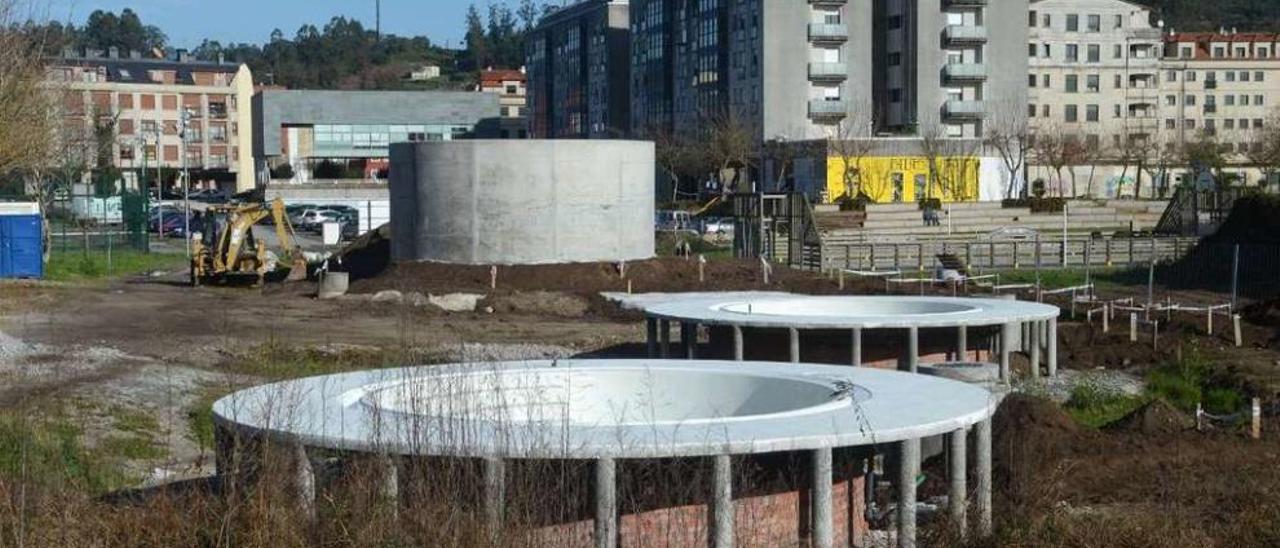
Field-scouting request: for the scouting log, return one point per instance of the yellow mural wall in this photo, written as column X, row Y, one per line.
column 906, row 178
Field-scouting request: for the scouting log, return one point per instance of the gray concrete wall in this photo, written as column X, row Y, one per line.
column 522, row 202
column 275, row 108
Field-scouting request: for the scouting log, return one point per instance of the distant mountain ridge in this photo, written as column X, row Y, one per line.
column 1214, row 15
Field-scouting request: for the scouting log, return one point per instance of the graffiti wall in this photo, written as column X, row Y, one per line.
column 906, row 178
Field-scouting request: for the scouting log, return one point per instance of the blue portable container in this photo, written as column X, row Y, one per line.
column 21, row 248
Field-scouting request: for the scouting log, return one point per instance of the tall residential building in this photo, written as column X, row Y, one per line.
column 1223, row 87
column 146, row 100
column 578, row 66
column 1095, row 75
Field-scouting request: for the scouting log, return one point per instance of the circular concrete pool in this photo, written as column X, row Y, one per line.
column 832, row 312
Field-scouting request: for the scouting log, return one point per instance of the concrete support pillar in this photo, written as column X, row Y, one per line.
column 908, row 469
column 1035, row 349
column 795, row 344
column 651, row 337
column 1006, row 346
column 738, row 350
column 495, row 494
column 722, row 504
column 984, row 477
column 962, row 343
column 664, row 338
column 1053, row 347
column 823, row 526
column 913, row 349
column 606, row 533
column 689, row 338
column 856, row 345
column 304, row 480
column 959, row 480
column 388, row 475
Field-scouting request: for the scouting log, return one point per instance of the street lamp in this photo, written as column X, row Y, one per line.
column 183, row 121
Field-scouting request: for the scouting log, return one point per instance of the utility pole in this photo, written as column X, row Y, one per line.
column 377, row 19
column 185, row 121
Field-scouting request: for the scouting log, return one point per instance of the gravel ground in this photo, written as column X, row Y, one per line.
column 1059, row 388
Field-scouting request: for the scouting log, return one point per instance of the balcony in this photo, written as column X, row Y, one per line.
column 825, row 108
column 965, row 72
column 828, row 32
column 828, row 2
column 828, row 71
column 964, row 110
column 965, row 3
column 1210, row 108
column 964, row 34
column 1210, row 84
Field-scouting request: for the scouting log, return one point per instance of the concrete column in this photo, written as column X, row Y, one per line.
column 856, row 344
column 606, row 534
column 495, row 494
column 738, row 351
column 913, row 349
column 962, row 343
column 1006, row 344
column 651, row 336
column 664, row 338
column 1035, row 349
column 689, row 337
column 388, row 480
column 304, row 480
column 823, row 527
column 908, row 469
column 959, row 480
column 722, row 504
column 795, row 345
column 1053, row 347
column 984, row 477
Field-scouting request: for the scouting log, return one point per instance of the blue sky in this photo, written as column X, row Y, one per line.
column 186, row 22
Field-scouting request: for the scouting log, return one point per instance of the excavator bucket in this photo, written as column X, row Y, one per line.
column 298, row 271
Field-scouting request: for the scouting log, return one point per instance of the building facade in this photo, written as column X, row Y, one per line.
column 512, row 91
column 346, row 134
column 578, row 65
column 172, row 114
column 1223, row 89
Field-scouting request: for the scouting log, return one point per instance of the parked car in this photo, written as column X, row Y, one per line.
column 311, row 219
column 209, row 195
column 718, row 226
column 176, row 225
column 673, row 220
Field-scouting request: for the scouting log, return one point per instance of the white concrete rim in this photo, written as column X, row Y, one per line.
column 769, row 312
column 330, row 412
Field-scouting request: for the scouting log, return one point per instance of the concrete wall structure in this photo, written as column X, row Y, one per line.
column 522, row 202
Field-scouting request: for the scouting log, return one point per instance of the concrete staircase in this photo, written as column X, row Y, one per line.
column 967, row 221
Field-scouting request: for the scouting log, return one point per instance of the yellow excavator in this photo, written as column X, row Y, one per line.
column 228, row 249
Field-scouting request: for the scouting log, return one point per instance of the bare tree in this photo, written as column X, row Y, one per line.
column 1052, row 148
column 1206, row 154
column 1264, row 148
column 677, row 156
column 951, row 162
column 730, row 144
column 1008, row 133
column 850, row 140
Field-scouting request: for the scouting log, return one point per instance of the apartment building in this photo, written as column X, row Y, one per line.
column 161, row 109
column 510, row 87
column 1223, row 87
column 578, row 64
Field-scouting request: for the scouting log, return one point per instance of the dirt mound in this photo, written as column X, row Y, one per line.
column 366, row 256
column 1254, row 219
column 1021, row 416
column 1156, row 417
column 1265, row 312
column 661, row 274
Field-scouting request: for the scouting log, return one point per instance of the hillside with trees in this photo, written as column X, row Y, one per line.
column 1202, row 15
column 341, row 54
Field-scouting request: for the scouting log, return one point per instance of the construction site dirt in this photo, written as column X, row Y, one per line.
column 153, row 345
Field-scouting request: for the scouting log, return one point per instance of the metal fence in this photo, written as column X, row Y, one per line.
column 95, row 222
column 1008, row 255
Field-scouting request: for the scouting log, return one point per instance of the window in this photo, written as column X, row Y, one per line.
column 1071, row 114
column 148, row 127
column 1170, row 100
column 1095, row 23
column 1229, row 123
column 1073, row 53
column 1072, row 84
column 1257, row 76
column 1244, row 100
column 1171, row 76
column 1091, row 113
column 1244, row 76
column 126, row 153
column 1229, row 100
column 1116, row 111
column 1073, row 23
column 1189, row 123
column 1031, row 21
column 1185, row 53
column 1045, row 82
column 1170, row 123
column 1191, row 76
column 1092, row 84
column 1189, row 100
column 1242, row 52
column 1210, row 125
column 1257, row 100
column 1117, row 51
column 1047, row 52
column 1118, row 82
column 1046, row 21
column 1091, row 141
column 1031, row 109
column 1031, row 80
column 1095, row 53
column 1119, row 22
column 1231, row 76
column 1044, row 111
column 1219, row 51
column 1031, row 51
